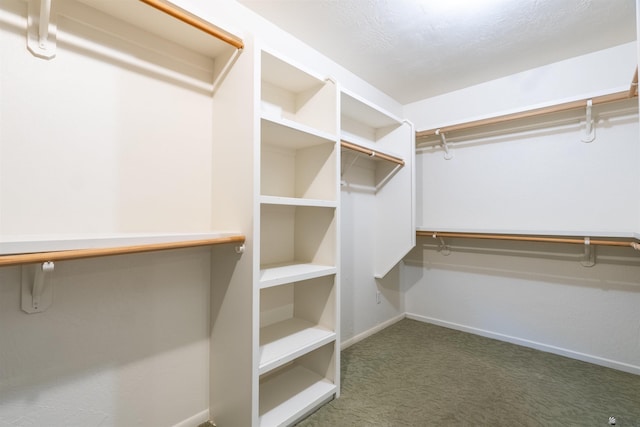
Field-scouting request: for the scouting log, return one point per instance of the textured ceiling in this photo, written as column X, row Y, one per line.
column 414, row 49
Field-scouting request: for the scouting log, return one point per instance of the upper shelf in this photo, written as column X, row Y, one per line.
column 17, row 252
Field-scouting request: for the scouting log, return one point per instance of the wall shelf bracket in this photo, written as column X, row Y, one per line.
column 448, row 155
column 41, row 31
column 590, row 132
column 37, row 289
column 589, row 259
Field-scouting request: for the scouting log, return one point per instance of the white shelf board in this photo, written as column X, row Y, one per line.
column 285, row 341
column 278, row 274
column 287, row 133
column 362, row 111
column 567, row 233
column 290, row 394
column 286, row 75
column 52, row 243
column 296, row 201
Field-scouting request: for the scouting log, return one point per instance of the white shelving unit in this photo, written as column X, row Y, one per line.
column 298, row 234
column 368, row 126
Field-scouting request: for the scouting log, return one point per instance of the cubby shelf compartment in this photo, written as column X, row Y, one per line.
column 297, row 163
column 294, row 390
column 366, row 125
column 296, row 243
column 285, row 341
column 296, row 95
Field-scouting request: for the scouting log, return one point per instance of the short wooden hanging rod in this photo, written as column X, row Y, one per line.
column 371, row 153
column 39, row 257
column 530, row 238
column 196, row 23
column 567, row 106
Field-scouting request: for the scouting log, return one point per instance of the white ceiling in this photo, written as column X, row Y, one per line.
column 414, row 49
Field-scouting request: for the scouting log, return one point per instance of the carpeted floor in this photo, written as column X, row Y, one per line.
column 417, row 374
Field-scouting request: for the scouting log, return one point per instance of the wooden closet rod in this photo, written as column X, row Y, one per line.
column 633, row 89
column 371, row 153
column 196, row 23
column 38, row 257
column 567, row 106
column 529, row 238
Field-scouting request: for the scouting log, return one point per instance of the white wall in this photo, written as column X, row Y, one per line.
column 361, row 314
column 125, row 343
column 533, row 178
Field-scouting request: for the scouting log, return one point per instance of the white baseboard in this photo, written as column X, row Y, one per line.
column 369, row 332
column 195, row 421
column 596, row 360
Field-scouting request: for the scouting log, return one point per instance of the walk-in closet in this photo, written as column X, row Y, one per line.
column 258, row 213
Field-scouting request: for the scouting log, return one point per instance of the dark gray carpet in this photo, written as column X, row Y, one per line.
column 417, row 374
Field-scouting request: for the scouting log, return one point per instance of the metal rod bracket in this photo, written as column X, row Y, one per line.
column 448, row 155
column 590, row 133
column 37, row 289
column 240, row 249
column 589, row 259
column 443, row 248
column 41, row 31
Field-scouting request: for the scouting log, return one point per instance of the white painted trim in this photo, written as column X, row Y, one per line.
column 596, row 360
column 351, row 341
column 195, row 420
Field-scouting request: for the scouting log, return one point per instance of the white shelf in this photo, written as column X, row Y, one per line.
column 54, row 243
column 290, row 394
column 274, row 275
column 286, row 133
column 364, row 112
column 297, row 201
column 285, row 341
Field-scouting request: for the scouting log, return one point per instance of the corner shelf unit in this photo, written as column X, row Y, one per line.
column 298, row 278
column 386, row 143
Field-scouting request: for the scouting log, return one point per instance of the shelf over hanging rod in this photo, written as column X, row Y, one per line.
column 371, row 153
column 65, row 255
column 196, row 23
column 567, row 106
column 531, row 238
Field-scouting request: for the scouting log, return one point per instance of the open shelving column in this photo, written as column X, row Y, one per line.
column 297, row 284
column 366, row 128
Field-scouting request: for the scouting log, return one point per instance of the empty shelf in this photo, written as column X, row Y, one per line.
column 279, row 274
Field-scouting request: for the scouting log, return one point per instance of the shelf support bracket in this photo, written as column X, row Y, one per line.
column 41, row 31
column 589, row 259
column 590, row 133
column 37, row 289
column 448, row 155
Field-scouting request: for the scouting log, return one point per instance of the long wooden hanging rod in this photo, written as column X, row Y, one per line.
column 530, row 238
column 567, row 106
column 371, row 153
column 39, row 257
column 196, row 23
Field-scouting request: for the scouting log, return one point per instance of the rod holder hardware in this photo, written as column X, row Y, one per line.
column 240, row 249
column 590, row 133
column 443, row 248
column 37, row 290
column 635, row 246
column 589, row 259
column 41, row 31
column 448, row 155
